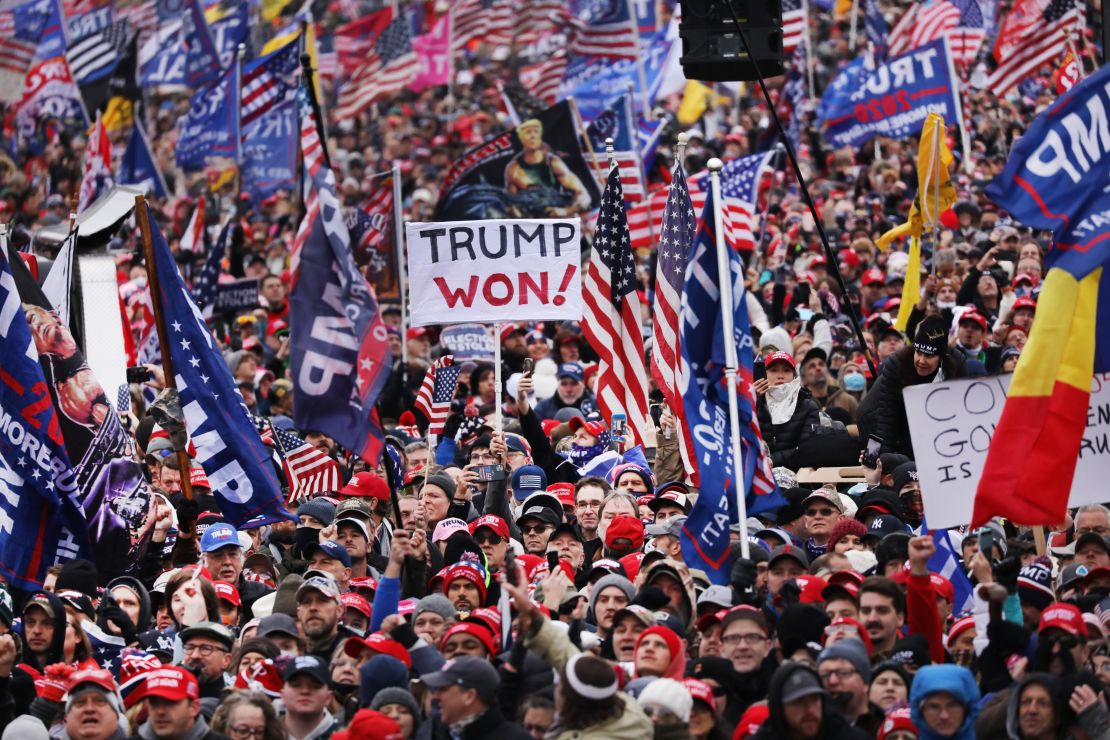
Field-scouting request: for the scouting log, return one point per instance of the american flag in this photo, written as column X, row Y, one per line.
column 1036, row 42
column 611, row 316
column 98, row 166
column 922, row 24
column 372, row 222
column 538, row 20
column 603, row 29
column 487, row 21
column 308, row 470
column 97, row 54
column 740, row 181
column 20, row 31
column 391, row 66
column 204, row 289
column 965, row 39
column 646, row 218
column 679, row 226
column 618, row 124
column 792, row 100
column 193, row 239
column 268, row 81
column 354, row 42
column 436, row 393
column 793, row 24
column 542, row 79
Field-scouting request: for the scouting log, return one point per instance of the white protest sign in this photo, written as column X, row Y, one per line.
column 494, row 271
column 951, row 426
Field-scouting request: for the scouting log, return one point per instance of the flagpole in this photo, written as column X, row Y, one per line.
column 142, row 217
column 586, row 140
column 310, row 86
column 634, row 135
column 805, row 40
column 680, row 161
column 239, row 53
column 496, row 377
column 634, row 29
column 399, row 248
column 724, row 281
column 852, row 28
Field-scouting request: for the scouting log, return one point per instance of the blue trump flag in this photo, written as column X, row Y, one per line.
column 202, row 65
column 270, row 151
column 211, row 128
column 228, row 445
column 705, row 535
column 892, row 99
column 137, row 167
column 340, row 345
column 41, row 522
column 167, row 66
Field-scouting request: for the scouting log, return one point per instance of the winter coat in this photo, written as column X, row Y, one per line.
column 491, row 724
column 833, row 725
column 55, row 652
column 784, row 439
column 953, row 680
column 1059, row 704
column 883, row 412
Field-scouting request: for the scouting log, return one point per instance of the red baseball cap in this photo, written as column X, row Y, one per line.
column 172, row 683
column 227, row 592
column 481, row 634
column 811, row 587
column 366, row 484
column 370, row 723
column 365, row 582
column 356, row 602
column 379, row 643
column 595, row 428
column 975, row 316
column 873, row 276
column 493, row 522
column 96, row 676
column 416, row 332
column 1063, row 616
column 751, row 720
column 699, row 691
column 1024, row 302
column 564, row 492
column 198, row 478
column 625, row 528
column 848, row 258
column 781, row 357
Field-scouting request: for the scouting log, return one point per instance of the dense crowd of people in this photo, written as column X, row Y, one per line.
column 506, row 590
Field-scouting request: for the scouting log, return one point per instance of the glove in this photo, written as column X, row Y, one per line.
column 111, row 613
column 54, row 682
column 743, row 574
column 187, row 511
column 789, row 593
column 1006, row 573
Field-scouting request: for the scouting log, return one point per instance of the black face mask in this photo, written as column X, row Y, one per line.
column 839, row 700
column 342, row 690
column 306, row 537
column 283, row 537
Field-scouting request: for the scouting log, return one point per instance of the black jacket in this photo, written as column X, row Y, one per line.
column 492, row 724
column 833, row 725
column 784, row 439
column 883, row 412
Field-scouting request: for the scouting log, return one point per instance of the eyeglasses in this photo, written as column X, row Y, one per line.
column 488, row 539
column 939, row 707
column 588, row 505
column 536, row 529
column 1065, row 641
column 750, row 639
column 841, row 675
column 243, row 732
column 819, row 512
column 485, row 457
column 203, row 650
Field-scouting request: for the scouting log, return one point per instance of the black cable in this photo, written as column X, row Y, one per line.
column 832, row 260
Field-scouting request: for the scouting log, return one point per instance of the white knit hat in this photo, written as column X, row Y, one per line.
column 669, row 694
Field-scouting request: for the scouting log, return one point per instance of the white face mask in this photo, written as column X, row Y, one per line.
column 946, row 304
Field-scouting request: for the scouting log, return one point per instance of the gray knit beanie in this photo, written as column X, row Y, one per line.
column 395, row 695
column 437, row 604
column 613, row 579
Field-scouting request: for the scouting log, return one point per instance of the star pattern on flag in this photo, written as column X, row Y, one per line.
column 395, row 41
column 679, row 224
column 612, row 241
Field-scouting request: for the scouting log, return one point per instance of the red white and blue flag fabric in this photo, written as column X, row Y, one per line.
column 793, row 24
column 437, row 392
column 98, row 166
column 228, row 447
column 603, row 28
column 922, row 24
column 340, row 349
column 389, row 67
column 309, row 470
column 618, row 124
column 268, row 81
column 740, row 184
column 1031, row 38
column 705, row 535
column 41, row 522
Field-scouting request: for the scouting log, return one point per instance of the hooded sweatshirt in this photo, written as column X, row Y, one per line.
column 953, row 680
column 1051, row 684
column 55, row 653
column 136, row 586
column 833, row 725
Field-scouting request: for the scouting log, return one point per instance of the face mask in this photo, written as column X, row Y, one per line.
column 855, row 382
column 282, row 537
column 307, row 536
column 946, row 304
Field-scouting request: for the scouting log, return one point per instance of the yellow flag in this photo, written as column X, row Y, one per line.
column 271, row 9
column 287, row 36
column 933, row 179
column 696, row 99
column 119, row 114
column 843, row 8
column 911, row 286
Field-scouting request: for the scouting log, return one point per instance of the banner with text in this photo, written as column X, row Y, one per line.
column 951, row 425
column 494, row 271
column 893, row 99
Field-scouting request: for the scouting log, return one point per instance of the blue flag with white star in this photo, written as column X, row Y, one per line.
column 229, row 448
column 41, row 521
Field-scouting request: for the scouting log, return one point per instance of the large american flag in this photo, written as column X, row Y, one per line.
column 793, row 24
column 603, row 29
column 268, row 81
column 675, row 239
column 922, row 24
column 20, row 30
column 740, row 182
column 309, row 470
column 436, row 393
column 391, row 66
column 542, row 79
column 1033, row 43
column 618, row 124
column 487, row 21
column 204, row 289
column 965, row 39
column 539, row 19
column 611, row 316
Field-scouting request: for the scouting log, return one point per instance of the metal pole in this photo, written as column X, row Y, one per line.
column 142, row 217
column 634, row 29
column 402, row 276
column 496, row 377
column 724, row 282
column 852, row 28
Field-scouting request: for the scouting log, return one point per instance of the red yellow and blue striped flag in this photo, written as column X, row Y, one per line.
column 1055, row 180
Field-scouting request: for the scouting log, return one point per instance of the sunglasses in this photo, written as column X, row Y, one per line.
column 535, row 529
column 819, row 512
column 488, row 539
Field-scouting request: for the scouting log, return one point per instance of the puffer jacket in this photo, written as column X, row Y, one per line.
column 951, row 679
column 883, row 412
column 784, row 439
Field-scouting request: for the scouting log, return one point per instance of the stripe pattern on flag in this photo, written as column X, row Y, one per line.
column 96, row 55
column 793, row 24
column 391, row 67
column 436, row 393
column 1038, row 44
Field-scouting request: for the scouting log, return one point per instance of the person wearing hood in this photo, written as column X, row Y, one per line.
column 44, row 632
column 787, row 414
column 1036, row 709
column 944, row 702
column 133, row 598
column 660, row 652
column 927, row 360
column 799, row 709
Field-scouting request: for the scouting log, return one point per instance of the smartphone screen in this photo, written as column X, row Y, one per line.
column 874, row 449
column 986, row 543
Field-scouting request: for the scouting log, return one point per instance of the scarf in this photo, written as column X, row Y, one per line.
column 582, row 455
column 782, row 399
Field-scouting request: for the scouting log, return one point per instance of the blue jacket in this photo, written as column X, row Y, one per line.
column 951, row 679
